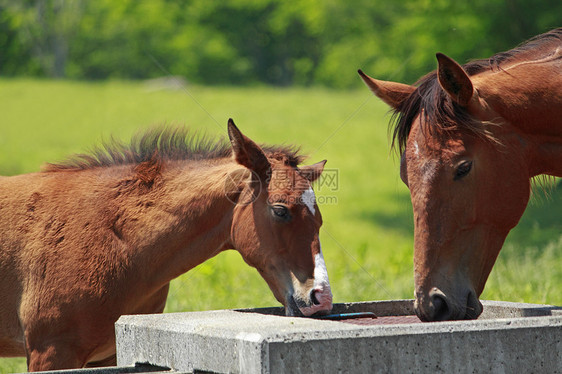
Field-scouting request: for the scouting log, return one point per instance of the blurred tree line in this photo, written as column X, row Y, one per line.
column 277, row 42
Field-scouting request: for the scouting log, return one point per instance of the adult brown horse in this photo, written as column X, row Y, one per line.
column 471, row 138
column 85, row 242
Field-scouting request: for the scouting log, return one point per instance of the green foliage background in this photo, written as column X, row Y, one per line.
column 277, row 42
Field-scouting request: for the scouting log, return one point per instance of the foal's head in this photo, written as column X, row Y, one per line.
column 276, row 222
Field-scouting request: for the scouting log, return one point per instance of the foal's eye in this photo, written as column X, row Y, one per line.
column 280, row 212
column 463, row 169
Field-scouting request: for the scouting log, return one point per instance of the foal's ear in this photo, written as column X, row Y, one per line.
column 246, row 152
column 454, row 80
column 391, row 93
column 312, row 172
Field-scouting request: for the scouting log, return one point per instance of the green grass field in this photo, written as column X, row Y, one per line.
column 368, row 230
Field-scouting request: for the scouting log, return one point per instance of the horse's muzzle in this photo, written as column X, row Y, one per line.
column 437, row 306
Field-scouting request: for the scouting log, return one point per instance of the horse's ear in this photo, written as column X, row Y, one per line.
column 312, row 172
column 391, row 93
column 246, row 152
column 454, row 80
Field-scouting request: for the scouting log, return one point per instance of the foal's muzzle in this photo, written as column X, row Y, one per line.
column 317, row 301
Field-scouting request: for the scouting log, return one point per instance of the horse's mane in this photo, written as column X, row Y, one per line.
column 165, row 144
column 441, row 112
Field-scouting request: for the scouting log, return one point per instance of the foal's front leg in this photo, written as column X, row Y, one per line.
column 55, row 344
column 109, row 361
column 53, row 355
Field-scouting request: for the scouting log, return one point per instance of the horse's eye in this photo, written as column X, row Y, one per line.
column 280, row 212
column 463, row 169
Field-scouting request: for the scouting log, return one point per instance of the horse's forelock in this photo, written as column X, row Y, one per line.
column 288, row 155
column 439, row 114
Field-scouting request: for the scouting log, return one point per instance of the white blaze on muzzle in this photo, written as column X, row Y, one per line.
column 321, row 293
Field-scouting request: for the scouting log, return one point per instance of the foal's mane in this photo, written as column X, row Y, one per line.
column 165, row 144
column 440, row 112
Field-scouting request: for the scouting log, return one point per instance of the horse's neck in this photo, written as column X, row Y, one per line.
column 528, row 96
column 188, row 221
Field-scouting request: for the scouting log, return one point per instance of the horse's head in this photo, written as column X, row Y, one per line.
column 276, row 223
column 468, row 180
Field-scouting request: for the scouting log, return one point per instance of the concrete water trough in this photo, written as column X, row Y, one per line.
column 508, row 337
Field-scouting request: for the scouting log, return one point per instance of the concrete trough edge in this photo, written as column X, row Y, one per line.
column 230, row 341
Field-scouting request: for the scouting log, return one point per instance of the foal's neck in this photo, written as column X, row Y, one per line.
column 189, row 221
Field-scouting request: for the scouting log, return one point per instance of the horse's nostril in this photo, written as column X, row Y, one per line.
column 441, row 310
column 473, row 306
column 313, row 297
